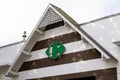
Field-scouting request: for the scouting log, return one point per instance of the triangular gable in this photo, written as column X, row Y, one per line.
column 57, row 15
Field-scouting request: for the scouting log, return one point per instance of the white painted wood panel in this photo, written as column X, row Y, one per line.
column 77, row 67
column 105, row 32
column 70, row 48
column 56, row 32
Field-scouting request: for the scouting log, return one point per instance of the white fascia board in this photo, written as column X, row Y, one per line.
column 83, row 34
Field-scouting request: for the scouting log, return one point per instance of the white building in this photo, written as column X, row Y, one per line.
column 92, row 50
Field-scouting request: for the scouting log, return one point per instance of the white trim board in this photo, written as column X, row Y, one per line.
column 69, row 68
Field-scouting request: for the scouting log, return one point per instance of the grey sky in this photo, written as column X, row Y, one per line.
column 19, row 15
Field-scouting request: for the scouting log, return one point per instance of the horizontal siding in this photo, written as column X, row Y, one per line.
column 66, row 38
column 66, row 58
column 70, row 48
column 72, row 63
column 70, row 68
column 103, row 74
column 54, row 25
column 56, row 32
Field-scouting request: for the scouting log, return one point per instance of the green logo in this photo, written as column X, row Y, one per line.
column 55, row 50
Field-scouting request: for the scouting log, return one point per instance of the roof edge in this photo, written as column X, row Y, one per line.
column 11, row 44
column 101, row 18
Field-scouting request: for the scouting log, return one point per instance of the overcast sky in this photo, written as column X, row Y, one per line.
column 17, row 16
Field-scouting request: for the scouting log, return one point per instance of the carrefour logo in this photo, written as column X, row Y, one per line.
column 55, row 50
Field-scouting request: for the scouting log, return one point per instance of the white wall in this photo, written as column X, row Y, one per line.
column 105, row 32
column 57, row 32
column 76, row 67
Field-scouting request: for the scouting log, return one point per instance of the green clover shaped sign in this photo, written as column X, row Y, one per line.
column 55, row 50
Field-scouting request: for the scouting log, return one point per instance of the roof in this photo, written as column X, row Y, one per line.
column 38, row 31
column 100, row 19
column 11, row 44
